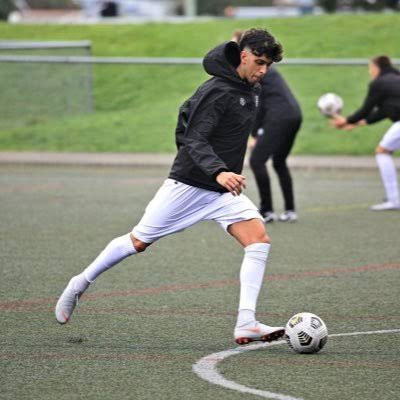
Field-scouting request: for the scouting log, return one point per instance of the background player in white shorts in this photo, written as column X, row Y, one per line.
column 205, row 182
column 382, row 101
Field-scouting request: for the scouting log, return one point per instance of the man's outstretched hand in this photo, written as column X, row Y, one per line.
column 235, row 183
column 338, row 121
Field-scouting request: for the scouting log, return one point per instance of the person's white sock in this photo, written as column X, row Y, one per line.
column 251, row 279
column 245, row 318
column 389, row 177
column 118, row 249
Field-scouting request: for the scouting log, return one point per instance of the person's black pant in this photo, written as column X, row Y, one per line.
column 276, row 142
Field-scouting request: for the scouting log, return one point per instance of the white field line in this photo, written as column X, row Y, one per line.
column 365, row 333
column 206, row 367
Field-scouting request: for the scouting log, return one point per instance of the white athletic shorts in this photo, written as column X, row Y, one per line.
column 391, row 139
column 176, row 206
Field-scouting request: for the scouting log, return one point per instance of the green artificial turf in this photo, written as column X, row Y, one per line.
column 137, row 332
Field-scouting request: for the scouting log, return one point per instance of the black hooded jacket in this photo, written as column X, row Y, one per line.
column 383, row 99
column 214, row 124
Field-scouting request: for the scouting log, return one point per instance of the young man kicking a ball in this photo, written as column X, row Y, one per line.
column 205, row 181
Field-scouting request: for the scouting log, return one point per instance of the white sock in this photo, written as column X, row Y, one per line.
column 251, row 279
column 246, row 318
column 118, row 249
column 389, row 176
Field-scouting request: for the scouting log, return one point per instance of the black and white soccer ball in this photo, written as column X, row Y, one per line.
column 306, row 333
column 330, row 104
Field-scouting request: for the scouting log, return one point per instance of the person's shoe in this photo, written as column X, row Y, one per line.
column 69, row 298
column 288, row 216
column 258, row 332
column 269, row 216
column 385, row 206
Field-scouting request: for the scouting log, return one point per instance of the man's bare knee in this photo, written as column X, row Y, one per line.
column 249, row 232
column 138, row 244
column 264, row 239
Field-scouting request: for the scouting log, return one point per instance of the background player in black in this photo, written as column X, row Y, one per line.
column 278, row 121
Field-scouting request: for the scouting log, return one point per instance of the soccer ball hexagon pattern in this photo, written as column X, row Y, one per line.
column 306, row 333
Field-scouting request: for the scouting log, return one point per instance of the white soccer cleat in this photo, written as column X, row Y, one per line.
column 269, row 216
column 258, row 332
column 69, row 299
column 288, row 216
column 385, row 206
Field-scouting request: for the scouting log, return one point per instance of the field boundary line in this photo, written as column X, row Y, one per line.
column 206, row 367
column 166, row 159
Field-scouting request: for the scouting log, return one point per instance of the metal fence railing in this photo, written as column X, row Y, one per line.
column 30, row 91
column 169, row 60
column 28, row 45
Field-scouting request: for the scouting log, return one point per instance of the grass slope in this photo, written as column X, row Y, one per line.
column 136, row 106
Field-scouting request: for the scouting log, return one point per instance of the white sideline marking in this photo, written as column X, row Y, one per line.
column 365, row 333
column 206, row 367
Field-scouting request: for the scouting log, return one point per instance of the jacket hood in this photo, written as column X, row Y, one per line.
column 222, row 62
column 389, row 70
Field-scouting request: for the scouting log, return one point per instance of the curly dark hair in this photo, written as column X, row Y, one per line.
column 261, row 42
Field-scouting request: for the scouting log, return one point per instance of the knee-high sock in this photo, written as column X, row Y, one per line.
column 251, row 279
column 118, row 249
column 389, row 176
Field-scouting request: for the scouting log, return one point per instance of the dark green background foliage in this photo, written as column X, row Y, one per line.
column 328, row 5
column 6, row 6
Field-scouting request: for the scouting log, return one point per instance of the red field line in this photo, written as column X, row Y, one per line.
column 196, row 311
column 309, row 363
column 33, row 303
column 227, row 314
column 31, row 187
column 333, row 271
column 300, row 361
column 116, row 356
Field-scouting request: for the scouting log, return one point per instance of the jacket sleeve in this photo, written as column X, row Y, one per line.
column 370, row 102
column 375, row 116
column 198, row 134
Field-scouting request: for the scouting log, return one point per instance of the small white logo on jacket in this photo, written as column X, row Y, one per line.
column 242, row 101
